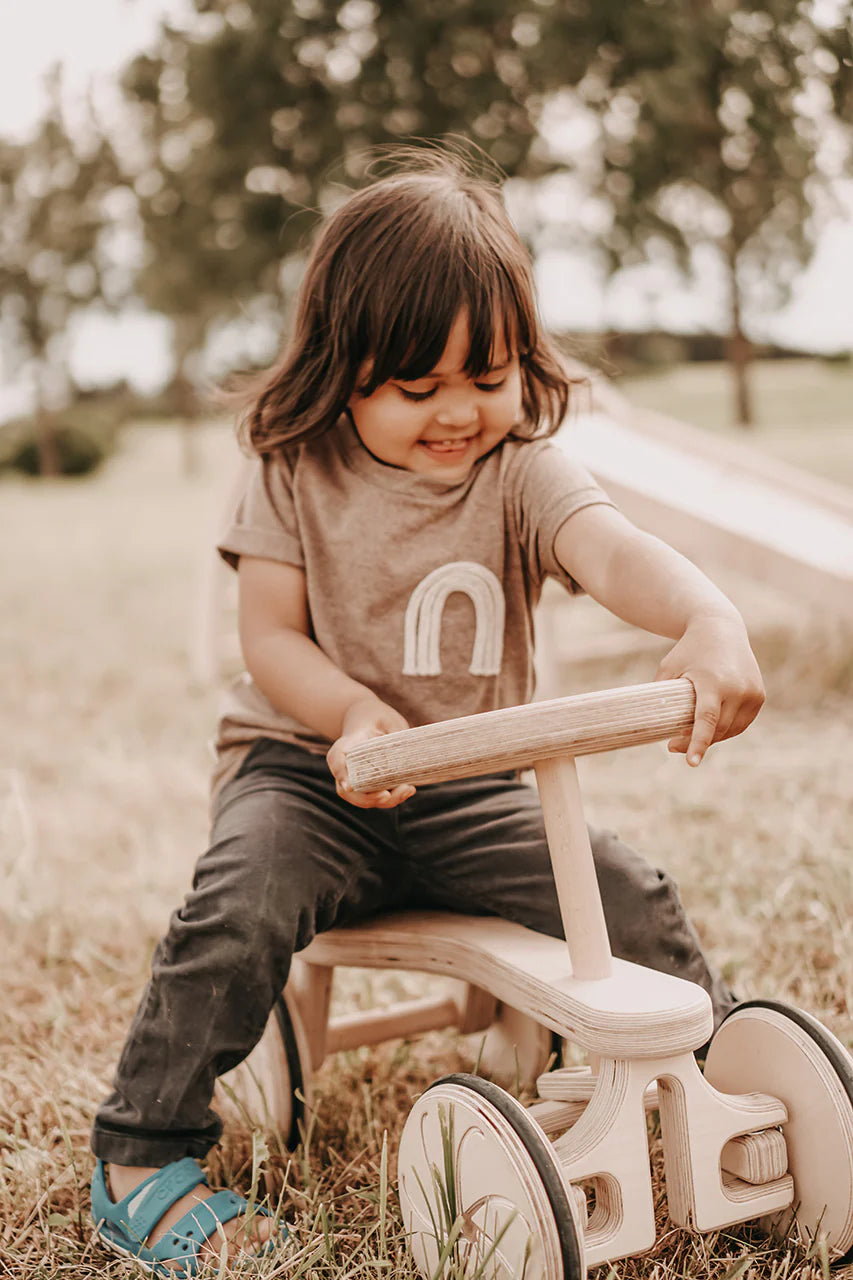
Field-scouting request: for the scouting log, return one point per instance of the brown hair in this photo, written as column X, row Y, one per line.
column 388, row 275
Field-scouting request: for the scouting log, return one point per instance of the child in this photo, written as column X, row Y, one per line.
column 391, row 544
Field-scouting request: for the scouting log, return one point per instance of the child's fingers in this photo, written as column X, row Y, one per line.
column 361, row 799
column 746, row 709
column 725, row 724
column 729, row 724
column 404, row 792
column 741, row 721
column 374, row 799
column 705, row 723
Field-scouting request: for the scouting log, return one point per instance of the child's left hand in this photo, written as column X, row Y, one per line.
column 715, row 656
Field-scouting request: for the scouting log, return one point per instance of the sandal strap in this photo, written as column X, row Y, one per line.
column 140, row 1211
column 199, row 1224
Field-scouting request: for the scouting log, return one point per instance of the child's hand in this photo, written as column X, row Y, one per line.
column 715, row 656
column 367, row 718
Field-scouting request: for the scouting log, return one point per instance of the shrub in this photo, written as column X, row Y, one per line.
column 841, row 359
column 83, row 439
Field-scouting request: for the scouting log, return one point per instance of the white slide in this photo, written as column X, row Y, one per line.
column 719, row 500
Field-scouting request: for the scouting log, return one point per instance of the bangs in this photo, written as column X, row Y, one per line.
column 441, row 272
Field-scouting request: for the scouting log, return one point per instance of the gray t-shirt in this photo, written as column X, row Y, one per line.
column 421, row 590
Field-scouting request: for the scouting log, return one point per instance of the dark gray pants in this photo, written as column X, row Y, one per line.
column 289, row 859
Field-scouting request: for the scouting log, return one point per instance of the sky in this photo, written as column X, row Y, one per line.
column 92, row 38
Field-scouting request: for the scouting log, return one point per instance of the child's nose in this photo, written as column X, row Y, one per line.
column 457, row 410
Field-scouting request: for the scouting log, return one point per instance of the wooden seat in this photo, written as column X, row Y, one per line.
column 635, row 1012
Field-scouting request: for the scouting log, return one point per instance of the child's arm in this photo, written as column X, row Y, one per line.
column 647, row 583
column 297, row 677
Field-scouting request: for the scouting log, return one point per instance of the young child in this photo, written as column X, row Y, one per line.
column 404, row 509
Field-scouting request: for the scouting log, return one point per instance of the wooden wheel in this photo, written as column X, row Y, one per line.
column 481, row 1189
column 774, row 1048
column 270, row 1088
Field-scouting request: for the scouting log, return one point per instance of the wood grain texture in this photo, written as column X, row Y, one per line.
column 636, row 1012
column 401, row 1020
column 608, row 1142
column 574, row 868
column 756, row 1157
column 518, row 737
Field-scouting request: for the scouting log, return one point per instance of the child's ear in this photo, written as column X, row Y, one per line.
column 362, row 380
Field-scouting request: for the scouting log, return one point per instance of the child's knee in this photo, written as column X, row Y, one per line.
column 640, row 901
column 621, row 870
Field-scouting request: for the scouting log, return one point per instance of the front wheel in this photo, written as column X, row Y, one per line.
column 769, row 1047
column 481, row 1190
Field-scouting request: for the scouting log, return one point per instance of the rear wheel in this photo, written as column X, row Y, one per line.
column 515, row 1049
column 770, row 1047
column 270, row 1088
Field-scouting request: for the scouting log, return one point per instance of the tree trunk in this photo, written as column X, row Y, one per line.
column 188, row 421
column 186, row 343
column 740, row 354
column 45, row 434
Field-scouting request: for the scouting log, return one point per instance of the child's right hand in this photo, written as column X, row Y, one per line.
column 364, row 719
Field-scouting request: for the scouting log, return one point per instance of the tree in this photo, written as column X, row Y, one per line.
column 53, row 215
column 709, row 132
column 713, row 115
column 53, row 193
column 246, row 111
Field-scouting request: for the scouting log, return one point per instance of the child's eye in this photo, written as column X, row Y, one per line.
column 417, row 396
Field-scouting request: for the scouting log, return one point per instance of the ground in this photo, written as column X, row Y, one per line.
column 103, row 766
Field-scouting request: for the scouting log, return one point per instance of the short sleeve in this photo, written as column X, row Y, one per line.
column 264, row 522
column 545, row 487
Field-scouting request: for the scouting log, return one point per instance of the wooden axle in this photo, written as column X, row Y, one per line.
column 404, row 1019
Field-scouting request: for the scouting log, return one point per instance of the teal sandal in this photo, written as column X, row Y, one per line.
column 125, row 1225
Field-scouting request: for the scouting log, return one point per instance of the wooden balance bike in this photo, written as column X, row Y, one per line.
column 491, row 1188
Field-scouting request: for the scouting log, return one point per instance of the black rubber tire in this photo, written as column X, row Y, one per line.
column 543, row 1160
column 297, row 1075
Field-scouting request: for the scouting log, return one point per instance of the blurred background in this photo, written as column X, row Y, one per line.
column 681, row 172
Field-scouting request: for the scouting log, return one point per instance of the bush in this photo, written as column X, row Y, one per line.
column 78, row 453
column 82, row 436
column 838, row 359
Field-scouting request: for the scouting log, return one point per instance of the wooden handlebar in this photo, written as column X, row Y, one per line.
column 518, row 737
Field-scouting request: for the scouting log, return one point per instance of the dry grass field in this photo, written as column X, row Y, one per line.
column 103, row 765
column 787, row 394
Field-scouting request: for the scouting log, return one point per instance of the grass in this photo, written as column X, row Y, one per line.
column 803, row 408
column 103, row 767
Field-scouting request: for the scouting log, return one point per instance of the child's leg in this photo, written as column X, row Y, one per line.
column 287, row 859
column 480, row 847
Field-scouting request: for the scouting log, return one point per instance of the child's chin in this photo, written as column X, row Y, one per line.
column 456, row 470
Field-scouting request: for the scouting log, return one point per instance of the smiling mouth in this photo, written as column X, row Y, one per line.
column 447, row 448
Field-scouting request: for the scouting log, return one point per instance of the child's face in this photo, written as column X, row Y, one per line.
column 442, row 423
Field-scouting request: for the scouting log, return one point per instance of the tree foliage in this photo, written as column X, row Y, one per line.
column 52, row 219
column 720, row 122
column 710, row 116
column 256, row 111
